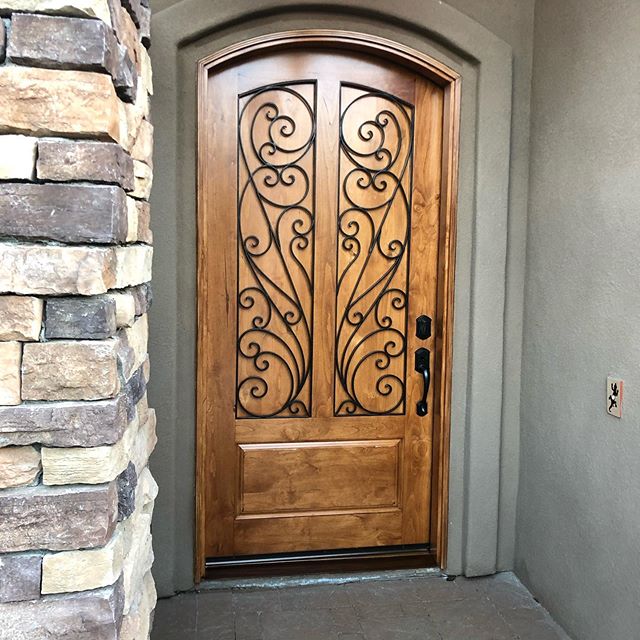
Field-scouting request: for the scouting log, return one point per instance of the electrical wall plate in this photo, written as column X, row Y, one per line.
column 615, row 387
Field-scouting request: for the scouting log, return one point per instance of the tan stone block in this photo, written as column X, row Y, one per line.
column 138, row 555
column 146, row 492
column 88, row 465
column 133, row 116
column 132, row 220
column 144, row 443
column 71, row 571
column 125, row 308
column 70, row 370
column 81, row 8
column 17, row 157
column 19, row 466
column 143, row 147
column 142, row 180
column 136, row 624
column 133, row 265
column 10, row 357
column 39, row 269
column 133, row 346
column 138, row 220
column 146, row 72
column 20, row 318
column 47, row 101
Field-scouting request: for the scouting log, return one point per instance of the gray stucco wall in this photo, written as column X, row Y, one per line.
column 478, row 521
column 578, row 543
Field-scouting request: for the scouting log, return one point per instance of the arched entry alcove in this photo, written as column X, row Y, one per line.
column 194, row 29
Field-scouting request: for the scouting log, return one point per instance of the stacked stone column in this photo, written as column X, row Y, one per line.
column 76, row 432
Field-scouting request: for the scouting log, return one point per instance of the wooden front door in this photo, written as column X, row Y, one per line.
column 320, row 239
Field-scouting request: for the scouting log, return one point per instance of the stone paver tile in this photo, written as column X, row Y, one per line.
column 247, row 625
column 315, row 597
column 533, row 623
column 175, row 618
column 476, row 618
column 259, row 600
column 311, row 624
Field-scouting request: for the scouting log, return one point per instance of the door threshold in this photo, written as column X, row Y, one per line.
column 375, row 559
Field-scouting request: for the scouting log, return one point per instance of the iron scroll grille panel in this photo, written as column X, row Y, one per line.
column 276, row 246
column 374, row 222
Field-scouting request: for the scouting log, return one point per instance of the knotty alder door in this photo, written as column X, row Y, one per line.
column 320, row 179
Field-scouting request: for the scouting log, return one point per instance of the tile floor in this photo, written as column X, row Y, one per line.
column 413, row 607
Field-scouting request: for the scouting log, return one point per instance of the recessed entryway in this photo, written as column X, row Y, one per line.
column 327, row 177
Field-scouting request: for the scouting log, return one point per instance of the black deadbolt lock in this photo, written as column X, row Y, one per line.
column 423, row 327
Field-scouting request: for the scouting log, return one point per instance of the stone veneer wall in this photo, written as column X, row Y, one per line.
column 76, row 432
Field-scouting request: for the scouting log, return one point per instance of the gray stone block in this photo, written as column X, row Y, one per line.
column 88, row 615
column 143, row 297
column 64, row 424
column 64, row 212
column 3, row 41
column 63, row 160
column 80, row 318
column 145, row 26
column 20, row 576
column 57, row 518
column 125, row 78
column 134, row 390
column 127, row 482
column 58, row 42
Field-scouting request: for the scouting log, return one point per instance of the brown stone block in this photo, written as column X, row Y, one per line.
column 88, row 615
column 50, row 102
column 20, row 318
column 70, row 370
column 52, row 270
column 63, row 212
column 19, row 466
column 57, row 42
column 63, row 160
column 57, row 518
column 134, row 7
column 64, row 424
column 20, row 575
column 82, row 8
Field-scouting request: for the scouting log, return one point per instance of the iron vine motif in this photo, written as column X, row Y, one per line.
column 276, row 220
column 374, row 221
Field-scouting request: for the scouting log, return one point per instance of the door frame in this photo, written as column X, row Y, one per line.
column 450, row 81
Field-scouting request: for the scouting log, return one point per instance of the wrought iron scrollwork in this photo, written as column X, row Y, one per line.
column 276, row 221
column 374, row 222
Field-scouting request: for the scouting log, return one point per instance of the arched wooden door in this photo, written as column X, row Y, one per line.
column 322, row 239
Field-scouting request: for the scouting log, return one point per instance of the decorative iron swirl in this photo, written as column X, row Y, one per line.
column 374, row 221
column 276, row 220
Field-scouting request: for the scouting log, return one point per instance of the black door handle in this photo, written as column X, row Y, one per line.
column 422, row 366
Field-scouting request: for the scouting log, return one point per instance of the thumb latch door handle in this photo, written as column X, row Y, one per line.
column 422, row 366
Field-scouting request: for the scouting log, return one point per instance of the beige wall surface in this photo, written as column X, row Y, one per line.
column 579, row 503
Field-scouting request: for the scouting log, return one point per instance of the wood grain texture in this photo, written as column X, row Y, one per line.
column 319, row 476
column 297, row 481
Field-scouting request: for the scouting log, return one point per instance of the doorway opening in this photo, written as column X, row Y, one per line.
column 327, row 179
